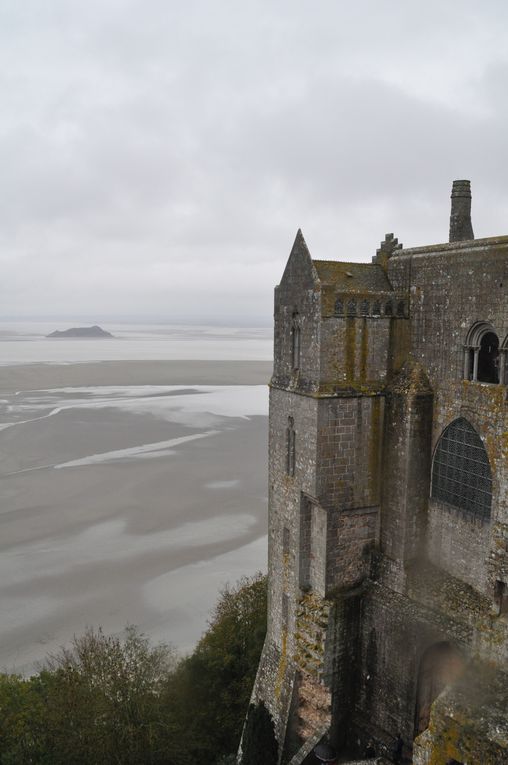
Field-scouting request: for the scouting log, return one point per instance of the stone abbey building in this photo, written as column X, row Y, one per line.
column 388, row 528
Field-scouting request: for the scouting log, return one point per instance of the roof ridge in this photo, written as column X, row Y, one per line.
column 345, row 262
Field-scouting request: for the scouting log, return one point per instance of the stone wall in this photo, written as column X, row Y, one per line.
column 352, row 531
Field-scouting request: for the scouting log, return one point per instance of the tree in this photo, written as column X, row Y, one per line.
column 104, row 700
column 22, row 721
column 111, row 700
column 210, row 691
column 259, row 743
column 98, row 701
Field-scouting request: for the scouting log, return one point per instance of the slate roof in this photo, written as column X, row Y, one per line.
column 352, row 277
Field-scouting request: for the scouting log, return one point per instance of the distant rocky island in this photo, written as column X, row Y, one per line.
column 95, row 332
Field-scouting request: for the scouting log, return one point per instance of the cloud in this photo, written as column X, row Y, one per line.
column 157, row 159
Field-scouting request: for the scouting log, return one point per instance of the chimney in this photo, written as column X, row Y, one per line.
column 461, row 227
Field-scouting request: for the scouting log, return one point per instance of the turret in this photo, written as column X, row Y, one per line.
column 461, row 227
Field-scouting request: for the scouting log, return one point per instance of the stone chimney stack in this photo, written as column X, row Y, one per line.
column 461, row 227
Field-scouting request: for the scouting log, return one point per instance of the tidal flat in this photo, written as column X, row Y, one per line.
column 131, row 493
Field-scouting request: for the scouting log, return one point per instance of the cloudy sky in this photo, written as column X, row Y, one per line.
column 157, row 157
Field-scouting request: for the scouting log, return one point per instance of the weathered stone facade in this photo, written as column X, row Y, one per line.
column 388, row 496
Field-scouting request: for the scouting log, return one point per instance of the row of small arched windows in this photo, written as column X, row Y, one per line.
column 485, row 360
column 355, row 307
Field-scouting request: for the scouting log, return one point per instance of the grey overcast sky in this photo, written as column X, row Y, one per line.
column 157, row 157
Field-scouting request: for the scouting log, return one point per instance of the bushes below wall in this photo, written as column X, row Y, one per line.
column 109, row 699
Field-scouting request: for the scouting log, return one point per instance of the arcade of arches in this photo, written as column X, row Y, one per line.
column 484, row 359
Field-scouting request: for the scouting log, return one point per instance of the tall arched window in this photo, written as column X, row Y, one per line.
column 481, row 354
column 461, row 474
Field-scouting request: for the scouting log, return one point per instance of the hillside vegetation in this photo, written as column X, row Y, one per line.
column 109, row 699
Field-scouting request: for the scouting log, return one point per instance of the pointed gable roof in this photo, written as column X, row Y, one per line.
column 300, row 263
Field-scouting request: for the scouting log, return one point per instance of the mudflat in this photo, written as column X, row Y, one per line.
column 131, row 493
column 25, row 377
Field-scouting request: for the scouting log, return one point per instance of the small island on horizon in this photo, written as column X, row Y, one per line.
column 94, row 332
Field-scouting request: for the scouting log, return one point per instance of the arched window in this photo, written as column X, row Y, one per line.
column 482, row 356
column 295, row 342
column 351, row 308
column 364, row 308
column 339, row 307
column 461, row 474
column 389, row 309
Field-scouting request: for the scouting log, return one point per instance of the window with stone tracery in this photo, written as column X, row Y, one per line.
column 461, row 474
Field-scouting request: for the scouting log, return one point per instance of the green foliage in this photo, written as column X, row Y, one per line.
column 110, row 700
column 210, row 690
column 259, row 742
column 22, row 722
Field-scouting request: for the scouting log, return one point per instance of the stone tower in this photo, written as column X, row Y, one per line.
column 388, row 492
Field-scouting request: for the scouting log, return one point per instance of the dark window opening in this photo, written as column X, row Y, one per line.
column 501, row 598
column 461, row 473
column 400, row 308
column 376, row 308
column 488, row 358
column 470, row 364
column 291, row 447
column 339, row 307
column 389, row 309
column 364, row 308
column 351, row 308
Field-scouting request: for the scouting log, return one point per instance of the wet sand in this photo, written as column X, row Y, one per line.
column 25, row 377
column 125, row 503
